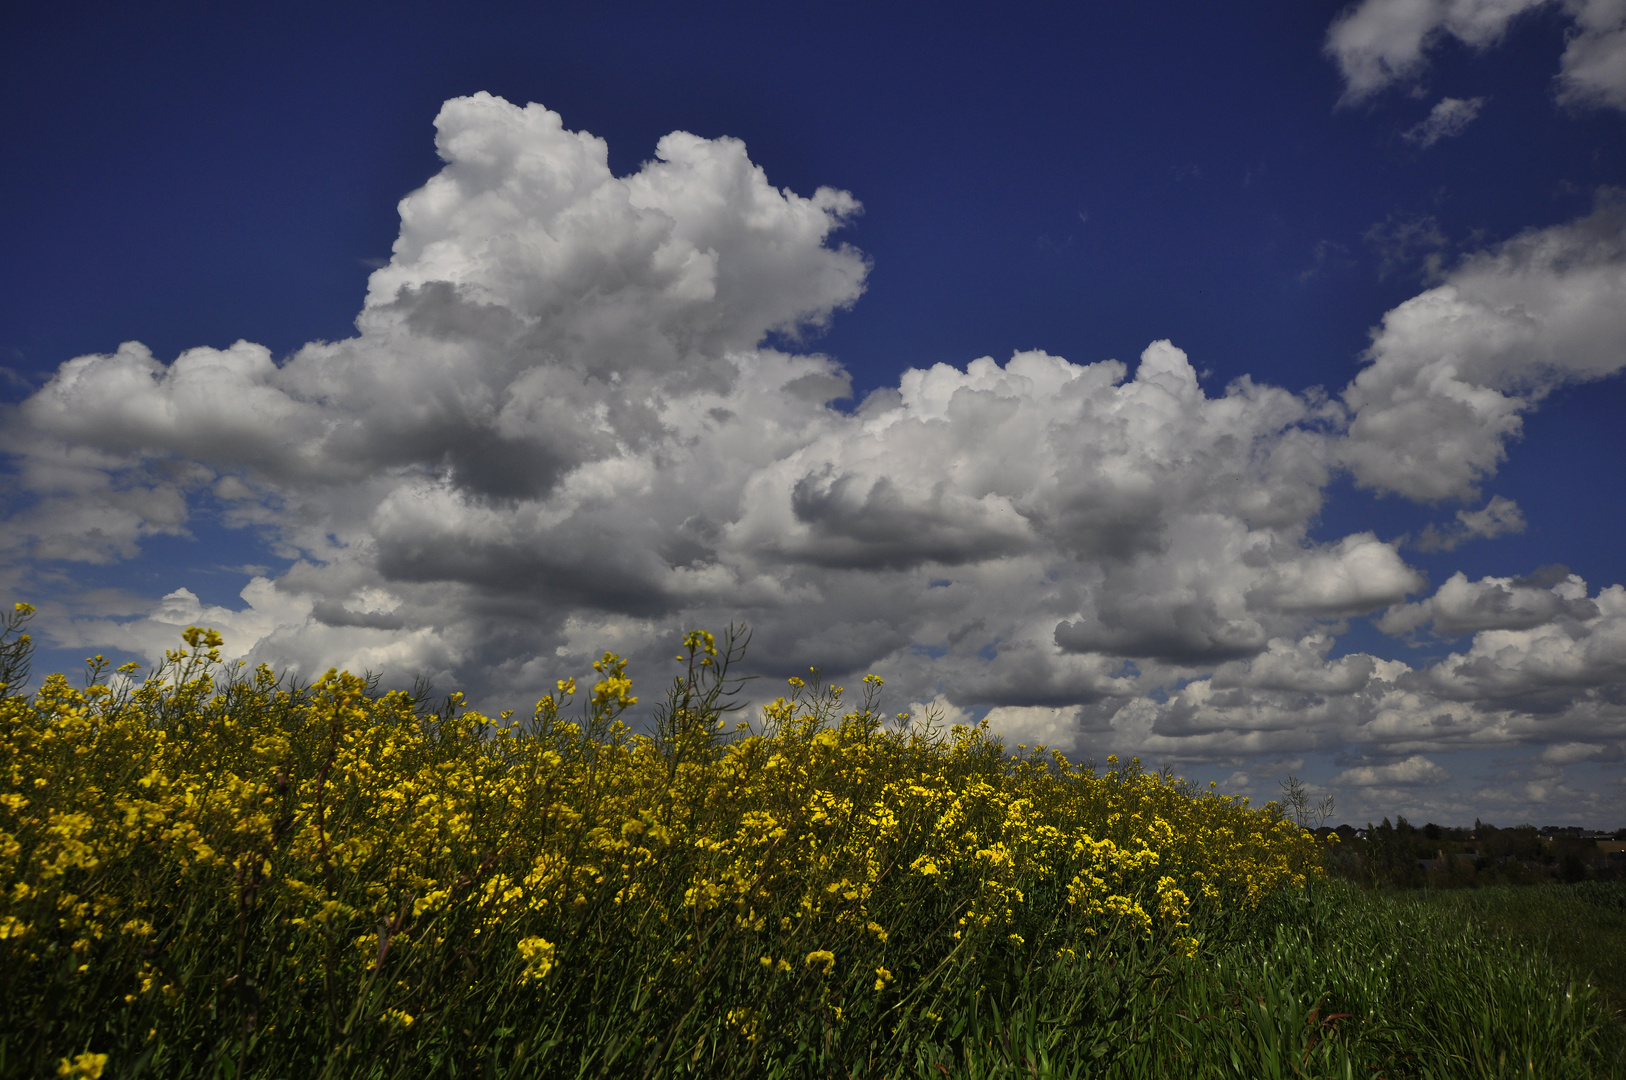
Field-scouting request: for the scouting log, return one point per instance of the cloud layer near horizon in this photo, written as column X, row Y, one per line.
column 558, row 431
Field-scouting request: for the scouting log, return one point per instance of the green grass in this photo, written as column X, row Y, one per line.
column 1333, row 983
column 1340, row 984
column 1581, row 925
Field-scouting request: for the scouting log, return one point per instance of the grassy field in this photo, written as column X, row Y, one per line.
column 212, row 872
column 1582, row 926
column 1334, row 982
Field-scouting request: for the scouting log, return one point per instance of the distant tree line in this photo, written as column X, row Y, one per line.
column 1403, row 855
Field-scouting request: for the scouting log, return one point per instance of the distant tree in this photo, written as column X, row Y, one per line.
column 1296, row 797
column 15, row 651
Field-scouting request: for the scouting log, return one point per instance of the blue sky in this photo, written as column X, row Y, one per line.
column 592, row 401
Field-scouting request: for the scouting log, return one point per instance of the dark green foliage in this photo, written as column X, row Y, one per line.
column 1403, row 856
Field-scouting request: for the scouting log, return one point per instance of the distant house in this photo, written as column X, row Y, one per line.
column 1442, row 861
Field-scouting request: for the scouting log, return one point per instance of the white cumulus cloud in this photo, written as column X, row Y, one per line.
column 1416, row 769
column 1593, row 68
column 1462, row 607
column 1556, row 661
column 558, row 430
column 1451, row 371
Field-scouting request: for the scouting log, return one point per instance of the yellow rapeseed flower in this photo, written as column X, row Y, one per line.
column 88, row 1066
column 397, row 1019
column 538, row 956
column 355, row 812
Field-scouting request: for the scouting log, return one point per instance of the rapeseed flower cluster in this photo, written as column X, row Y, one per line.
column 238, row 863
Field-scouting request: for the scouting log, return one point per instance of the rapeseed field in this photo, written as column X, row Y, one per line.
column 214, row 871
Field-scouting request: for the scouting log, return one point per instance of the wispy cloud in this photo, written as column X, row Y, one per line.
column 1449, row 118
column 1382, row 43
column 1406, row 245
column 1499, row 517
